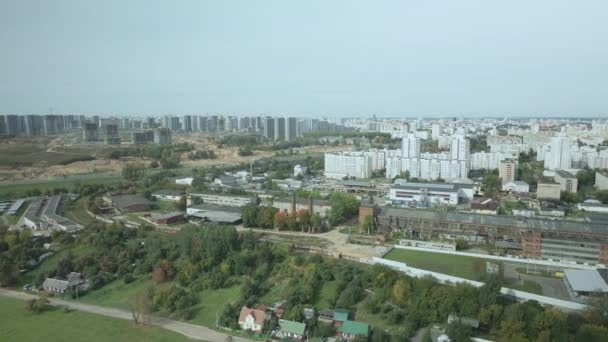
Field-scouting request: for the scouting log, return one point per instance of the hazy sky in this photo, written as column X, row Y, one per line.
column 410, row 58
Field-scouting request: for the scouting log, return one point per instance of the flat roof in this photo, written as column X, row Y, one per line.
column 128, row 200
column 504, row 221
column 586, row 281
column 168, row 192
column 447, row 187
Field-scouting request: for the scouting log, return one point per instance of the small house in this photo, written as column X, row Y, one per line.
column 251, row 319
column 349, row 330
column 291, row 330
column 340, row 316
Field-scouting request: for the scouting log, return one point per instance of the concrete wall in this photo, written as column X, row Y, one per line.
column 448, row 279
column 504, row 258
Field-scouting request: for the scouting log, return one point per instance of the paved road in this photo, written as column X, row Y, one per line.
column 192, row 331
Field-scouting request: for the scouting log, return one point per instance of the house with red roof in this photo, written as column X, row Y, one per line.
column 252, row 319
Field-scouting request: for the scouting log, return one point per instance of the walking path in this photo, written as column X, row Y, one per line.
column 192, row 331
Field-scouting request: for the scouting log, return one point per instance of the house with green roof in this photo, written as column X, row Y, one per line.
column 291, row 331
column 351, row 329
column 341, row 315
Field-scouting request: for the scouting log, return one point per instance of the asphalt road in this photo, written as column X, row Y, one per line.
column 195, row 332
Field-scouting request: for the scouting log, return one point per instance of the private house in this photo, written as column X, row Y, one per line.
column 53, row 285
column 74, row 281
column 349, row 330
column 252, row 319
column 168, row 195
column 291, row 330
column 326, row 315
column 340, row 316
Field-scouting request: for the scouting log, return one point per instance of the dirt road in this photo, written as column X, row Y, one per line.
column 338, row 242
column 192, row 331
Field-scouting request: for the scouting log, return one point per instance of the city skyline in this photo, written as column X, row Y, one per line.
column 335, row 59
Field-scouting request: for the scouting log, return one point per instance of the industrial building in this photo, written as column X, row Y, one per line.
column 578, row 241
column 287, row 205
column 47, row 213
column 584, row 283
column 431, row 193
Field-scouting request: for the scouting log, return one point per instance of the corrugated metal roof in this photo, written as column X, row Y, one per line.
column 586, row 281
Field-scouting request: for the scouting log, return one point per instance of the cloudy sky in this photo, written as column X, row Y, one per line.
column 309, row 58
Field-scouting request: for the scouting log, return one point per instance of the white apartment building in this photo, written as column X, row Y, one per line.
column 347, row 164
column 410, row 146
column 460, row 148
column 377, row 158
column 559, row 157
column 435, row 131
column 488, row 160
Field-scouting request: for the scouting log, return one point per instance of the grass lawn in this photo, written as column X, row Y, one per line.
column 375, row 320
column 456, row 265
column 326, row 295
column 117, row 293
column 527, row 286
column 211, row 303
column 275, row 294
column 57, row 325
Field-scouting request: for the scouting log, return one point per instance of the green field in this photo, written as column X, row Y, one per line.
column 56, row 325
column 456, row 265
column 211, row 303
column 116, row 294
column 18, row 189
column 23, row 153
column 326, row 295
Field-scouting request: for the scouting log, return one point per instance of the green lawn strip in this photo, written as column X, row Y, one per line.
column 527, row 286
column 58, row 325
column 117, row 294
column 211, row 304
column 18, row 189
column 375, row 320
column 455, row 265
column 326, row 296
column 77, row 211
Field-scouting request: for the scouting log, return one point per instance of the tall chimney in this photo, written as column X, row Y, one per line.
column 310, row 205
column 293, row 202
